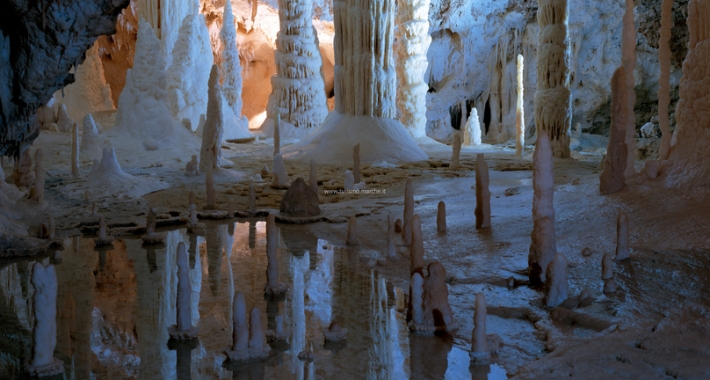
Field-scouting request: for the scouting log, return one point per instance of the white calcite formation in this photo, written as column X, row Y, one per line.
column 664, row 85
column 273, row 286
column 44, row 334
column 413, row 41
column 628, row 60
column 608, row 273
column 622, row 236
column 441, row 218
column 408, row 212
column 436, row 313
column 189, row 72
column 212, row 133
column 90, row 146
column 483, row 194
column 298, row 94
column 109, row 172
column 165, row 17
column 472, row 129
column 249, row 338
column 552, row 96
column 365, row 91
column 183, row 329
column 556, row 288
column 349, row 182
column 352, row 239
column 455, row 153
column 64, row 122
column 236, row 126
column 520, row 110
column 692, row 134
column 612, row 177
column 279, row 176
column 280, row 333
column 89, row 93
column 480, row 355
column 543, row 246
column 416, row 249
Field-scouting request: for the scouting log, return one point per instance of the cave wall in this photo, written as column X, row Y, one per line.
column 39, row 43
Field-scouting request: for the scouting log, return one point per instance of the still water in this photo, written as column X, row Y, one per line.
column 114, row 308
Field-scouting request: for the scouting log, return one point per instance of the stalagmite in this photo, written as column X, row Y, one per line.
column 299, row 201
column 608, row 273
column 455, row 152
column 64, row 122
column 349, row 182
column 109, row 172
column 413, row 41
column 483, row 194
column 298, row 95
column 480, row 355
column 543, row 246
column 437, row 314
column 273, row 286
column 279, row 176
column 183, row 329
column 552, row 95
column 556, row 289
column 240, row 330
column 416, row 249
column 231, row 74
column 391, row 248
column 408, row 212
column 356, row 163
column 103, row 238
column 664, row 59
column 192, row 167
column 277, row 134
column 313, row 176
column 441, row 218
column 416, row 285
column 211, row 135
column 265, row 171
column 210, row 191
column 622, row 237
column 612, row 176
column 252, row 198
column 37, row 192
column 44, row 332
column 152, row 237
column 520, row 111
column 75, row 149
column 90, row 146
column 352, row 239
column 628, row 59
column 257, row 335
column 472, row 129
column 249, row 339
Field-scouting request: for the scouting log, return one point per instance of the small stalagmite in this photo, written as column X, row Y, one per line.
column 209, row 190
column 64, row 122
column 356, row 163
column 349, row 182
column 408, row 212
column 352, row 239
column 416, row 302
column 612, row 176
column 152, row 237
column 480, row 355
column 313, row 177
column 391, row 247
column 273, row 286
column 437, row 314
column 90, row 147
column 75, row 149
column 441, row 218
column 622, row 237
column 608, row 273
column 416, row 249
column 279, row 178
column 483, row 194
column 193, row 225
column 183, row 329
column 455, row 153
column 556, row 289
column 103, row 238
column 280, row 334
column 44, row 334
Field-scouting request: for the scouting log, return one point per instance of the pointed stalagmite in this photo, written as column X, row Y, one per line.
column 612, row 177
column 210, row 191
column 103, row 238
column 520, row 111
column 479, row 345
column 441, row 218
column 455, row 153
column 90, row 147
column 249, row 339
column 543, row 246
column 416, row 249
column 356, row 163
column 273, row 286
column 183, row 329
column 214, row 123
column 391, row 248
column 313, row 177
column 556, row 289
column 608, row 273
column 472, row 129
column 75, row 149
column 483, row 194
column 279, row 178
column 408, row 212
column 664, row 59
column 628, row 59
column 622, row 237
column 352, row 239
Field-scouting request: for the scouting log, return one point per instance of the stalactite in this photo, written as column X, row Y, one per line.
column 628, row 58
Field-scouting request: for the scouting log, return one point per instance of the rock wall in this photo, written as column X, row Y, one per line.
column 39, row 42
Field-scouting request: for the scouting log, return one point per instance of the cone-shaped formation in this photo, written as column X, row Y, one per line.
column 483, row 194
column 44, row 335
column 391, row 247
column 109, row 172
column 212, row 133
column 520, row 111
column 298, row 94
column 622, row 237
column 472, row 129
column 183, row 329
column 441, row 218
column 273, row 286
column 64, row 122
column 408, row 212
column 608, row 273
column 556, row 289
column 552, row 96
column 436, row 313
column 75, row 149
column 279, row 176
column 455, row 152
column 352, row 239
column 416, row 249
column 612, row 177
column 413, row 41
column 543, row 246
column 299, row 200
column 231, row 73
column 313, row 176
column 103, row 238
column 479, row 345
column 90, row 146
column 249, row 339
column 210, row 191
column 628, row 59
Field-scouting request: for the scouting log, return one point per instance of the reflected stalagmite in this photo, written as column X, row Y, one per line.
column 483, row 194
column 103, row 238
column 249, row 338
column 622, row 236
column 209, row 190
column 273, row 286
column 252, row 198
column 352, row 239
column 183, row 329
column 44, row 334
column 480, row 355
column 151, row 237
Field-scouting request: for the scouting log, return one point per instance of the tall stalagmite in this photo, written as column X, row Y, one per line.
column 664, row 85
column 543, row 246
column 298, row 94
column 628, row 60
column 413, row 42
column 611, row 179
column 212, row 134
column 552, row 96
